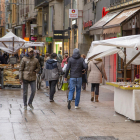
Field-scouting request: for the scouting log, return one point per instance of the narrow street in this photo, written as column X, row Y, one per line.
column 53, row 121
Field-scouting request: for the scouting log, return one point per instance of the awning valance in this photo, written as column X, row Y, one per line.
column 97, row 28
column 114, row 26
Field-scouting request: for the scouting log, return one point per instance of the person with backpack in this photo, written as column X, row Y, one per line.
column 75, row 65
column 97, row 72
column 51, row 73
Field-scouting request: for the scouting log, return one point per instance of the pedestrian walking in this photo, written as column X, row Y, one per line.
column 75, row 65
column 29, row 67
column 22, row 55
column 51, row 73
column 97, row 72
column 64, row 61
column 59, row 57
column 47, row 57
column 84, row 75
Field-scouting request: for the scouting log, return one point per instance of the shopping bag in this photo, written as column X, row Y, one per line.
column 65, row 86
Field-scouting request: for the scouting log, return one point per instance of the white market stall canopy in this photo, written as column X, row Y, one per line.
column 108, row 47
column 11, row 43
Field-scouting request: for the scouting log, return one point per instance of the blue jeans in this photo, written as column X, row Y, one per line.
column 47, row 84
column 75, row 82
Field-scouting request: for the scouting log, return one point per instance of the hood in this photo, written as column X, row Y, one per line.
column 51, row 61
column 76, row 53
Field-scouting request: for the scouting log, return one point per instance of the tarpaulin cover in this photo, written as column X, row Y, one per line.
column 111, row 46
column 11, row 43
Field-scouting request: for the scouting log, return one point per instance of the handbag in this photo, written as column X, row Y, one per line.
column 65, row 86
column 99, row 70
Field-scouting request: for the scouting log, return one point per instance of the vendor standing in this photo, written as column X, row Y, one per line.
column 29, row 66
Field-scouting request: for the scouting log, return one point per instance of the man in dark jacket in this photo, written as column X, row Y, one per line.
column 51, row 72
column 2, row 60
column 75, row 64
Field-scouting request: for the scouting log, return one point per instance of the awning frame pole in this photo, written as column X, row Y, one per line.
column 132, row 59
column 125, row 68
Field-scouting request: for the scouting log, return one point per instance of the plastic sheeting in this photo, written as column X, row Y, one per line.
column 108, row 47
column 11, row 43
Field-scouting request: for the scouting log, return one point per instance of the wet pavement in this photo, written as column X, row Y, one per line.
column 53, row 121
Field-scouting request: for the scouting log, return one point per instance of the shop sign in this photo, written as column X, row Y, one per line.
column 61, row 34
column 48, row 39
column 33, row 38
column 73, row 13
column 87, row 24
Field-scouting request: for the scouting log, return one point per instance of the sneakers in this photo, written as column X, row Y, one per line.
column 69, row 106
column 30, row 105
column 25, row 107
column 77, row 107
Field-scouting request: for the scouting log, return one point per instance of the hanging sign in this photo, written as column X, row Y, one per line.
column 73, row 13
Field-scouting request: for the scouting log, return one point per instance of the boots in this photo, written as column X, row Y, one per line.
column 92, row 96
column 96, row 98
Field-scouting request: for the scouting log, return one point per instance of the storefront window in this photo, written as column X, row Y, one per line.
column 66, row 46
column 75, row 38
column 57, row 47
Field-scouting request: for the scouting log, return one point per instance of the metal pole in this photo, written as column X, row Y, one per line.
column 125, row 68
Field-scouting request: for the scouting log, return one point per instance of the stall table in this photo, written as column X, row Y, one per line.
column 10, row 76
column 127, row 101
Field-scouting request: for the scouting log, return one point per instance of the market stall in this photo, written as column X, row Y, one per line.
column 9, row 73
column 127, row 99
column 126, row 94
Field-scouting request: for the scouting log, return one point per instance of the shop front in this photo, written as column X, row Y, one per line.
column 124, row 24
column 61, row 41
column 96, row 31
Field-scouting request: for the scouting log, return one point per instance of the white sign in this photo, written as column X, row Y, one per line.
column 73, row 22
column 73, row 13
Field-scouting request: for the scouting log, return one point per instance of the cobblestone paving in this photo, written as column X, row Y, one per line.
column 53, row 121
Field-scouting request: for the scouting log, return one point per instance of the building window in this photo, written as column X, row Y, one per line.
column 74, row 4
column 85, row 2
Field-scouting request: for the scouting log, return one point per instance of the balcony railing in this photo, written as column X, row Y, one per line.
column 117, row 2
column 40, row 2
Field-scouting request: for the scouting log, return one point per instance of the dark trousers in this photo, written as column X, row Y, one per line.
column 25, row 91
column 52, row 85
column 95, row 88
column 84, row 86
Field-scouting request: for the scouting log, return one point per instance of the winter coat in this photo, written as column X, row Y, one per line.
column 41, row 61
column 51, row 70
column 28, row 68
column 2, row 60
column 46, row 59
column 64, row 61
column 75, row 64
column 95, row 75
column 59, row 58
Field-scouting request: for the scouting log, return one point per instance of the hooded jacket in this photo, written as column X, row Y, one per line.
column 75, row 64
column 95, row 76
column 51, row 70
column 28, row 68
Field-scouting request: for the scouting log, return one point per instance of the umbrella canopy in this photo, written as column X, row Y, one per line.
column 108, row 47
column 11, row 43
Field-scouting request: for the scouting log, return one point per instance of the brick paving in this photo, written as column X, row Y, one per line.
column 53, row 121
